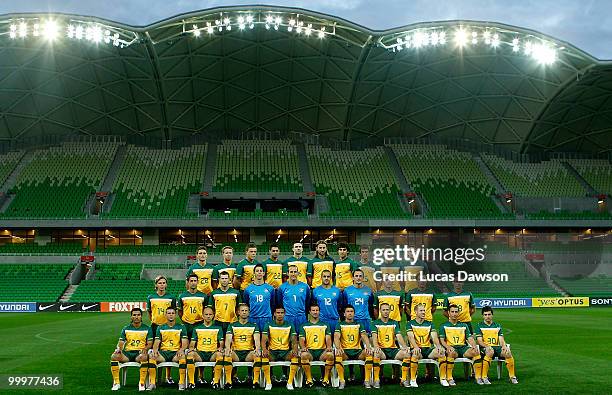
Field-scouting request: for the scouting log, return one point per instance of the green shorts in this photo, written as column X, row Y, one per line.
column 352, row 354
column 131, row 355
column 316, row 354
column 425, row 351
column 242, row 354
column 461, row 350
column 279, row 355
column 497, row 351
column 390, row 353
column 205, row 355
column 189, row 329
column 167, row 355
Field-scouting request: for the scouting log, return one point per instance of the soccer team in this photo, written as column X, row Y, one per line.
column 303, row 310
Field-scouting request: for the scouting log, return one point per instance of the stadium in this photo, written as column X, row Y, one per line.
column 126, row 151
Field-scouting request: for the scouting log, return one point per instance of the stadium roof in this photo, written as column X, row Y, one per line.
column 262, row 68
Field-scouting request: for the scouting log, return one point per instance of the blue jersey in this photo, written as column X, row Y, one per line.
column 294, row 298
column 329, row 302
column 260, row 299
column 361, row 299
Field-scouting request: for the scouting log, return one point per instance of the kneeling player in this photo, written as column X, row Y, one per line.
column 170, row 344
column 492, row 345
column 421, row 334
column 132, row 347
column 386, row 336
column 457, row 339
column 349, row 337
column 242, row 343
column 282, row 346
column 206, row 346
column 316, row 345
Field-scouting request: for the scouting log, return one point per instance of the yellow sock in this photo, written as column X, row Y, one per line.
column 152, row 371
column 510, row 366
column 144, row 367
column 307, row 371
column 442, row 367
column 328, row 367
column 265, row 365
column 228, row 369
column 218, row 370
column 368, row 368
column 477, row 367
column 450, row 364
column 182, row 370
column 256, row 369
column 405, row 369
column 340, row 368
column 115, row 371
column 486, row 363
column 191, row 370
column 414, row 367
column 376, row 367
column 295, row 364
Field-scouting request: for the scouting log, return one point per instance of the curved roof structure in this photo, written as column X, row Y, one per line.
column 266, row 68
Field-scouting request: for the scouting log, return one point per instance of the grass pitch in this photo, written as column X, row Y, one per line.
column 556, row 350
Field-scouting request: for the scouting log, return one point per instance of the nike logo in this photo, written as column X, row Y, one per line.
column 42, row 308
column 88, row 307
column 62, row 307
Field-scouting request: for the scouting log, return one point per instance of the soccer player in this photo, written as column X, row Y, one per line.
column 393, row 268
column 132, row 347
column 329, row 299
column 204, row 271
column 190, row 305
column 242, row 343
column 421, row 334
column 321, row 261
column 279, row 343
column 367, row 268
column 394, row 299
column 316, row 345
column 259, row 296
column 207, row 345
column 344, row 267
column 227, row 265
column 422, row 295
column 361, row 298
column 386, row 336
column 244, row 270
column 157, row 304
column 419, row 267
column 349, row 338
column 294, row 296
column 169, row 345
column 490, row 337
column 224, row 301
column 464, row 302
column 273, row 267
column 300, row 261
column 456, row 338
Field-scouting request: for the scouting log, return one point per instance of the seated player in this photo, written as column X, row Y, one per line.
column 349, row 338
column 456, row 338
column 132, row 347
column 421, row 334
column 386, row 336
column 206, row 345
column 242, row 343
column 490, row 337
column 279, row 343
column 169, row 346
column 316, row 345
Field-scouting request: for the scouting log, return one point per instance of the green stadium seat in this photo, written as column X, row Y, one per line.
column 8, row 161
column 596, row 172
column 45, row 282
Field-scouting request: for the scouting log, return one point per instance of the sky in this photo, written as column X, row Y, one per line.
column 586, row 24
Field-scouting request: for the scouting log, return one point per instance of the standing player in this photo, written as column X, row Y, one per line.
column 492, row 345
column 421, row 334
column 390, row 267
column 273, row 267
column 344, row 267
column 190, row 305
column 329, row 299
column 242, row 343
column 367, row 268
column 386, row 336
column 259, row 296
column 300, row 261
column 244, row 270
column 394, row 299
column 206, row 345
column 224, row 301
column 422, row 295
column 464, row 302
column 157, row 304
column 456, row 338
column 132, row 347
column 204, row 271
column 420, row 266
column 361, row 298
column 294, row 296
column 320, row 262
column 316, row 345
column 169, row 345
column 227, row 265
column 279, row 343
column 349, row 338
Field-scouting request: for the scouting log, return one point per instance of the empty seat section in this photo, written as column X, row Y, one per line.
column 71, row 248
column 450, row 181
column 257, row 166
column 586, row 286
column 121, row 290
column 59, row 180
column 356, row 183
column 596, row 172
column 156, row 183
column 8, row 161
column 33, row 282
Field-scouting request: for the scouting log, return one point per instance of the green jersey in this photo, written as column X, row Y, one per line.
column 386, row 333
column 242, row 335
column 207, row 338
column 206, row 275
column 303, row 265
column 421, row 331
column 157, row 306
column 314, row 334
column 489, row 333
column 456, row 335
column 343, row 272
column 395, row 299
column 135, row 339
column 244, row 271
column 279, row 335
column 224, row 303
column 464, row 301
column 415, row 297
column 171, row 336
column 192, row 306
column 274, row 272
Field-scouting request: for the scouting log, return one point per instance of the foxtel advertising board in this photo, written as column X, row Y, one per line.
column 121, row 307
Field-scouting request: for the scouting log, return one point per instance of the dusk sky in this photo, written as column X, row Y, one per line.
column 587, row 24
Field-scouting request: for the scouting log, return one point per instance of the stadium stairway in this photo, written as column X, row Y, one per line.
column 209, row 168
column 580, row 179
column 304, row 169
column 499, row 188
column 111, row 176
column 68, row 293
column 12, row 178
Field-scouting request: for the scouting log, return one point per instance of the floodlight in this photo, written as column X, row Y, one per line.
column 50, row 30
column 461, row 37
